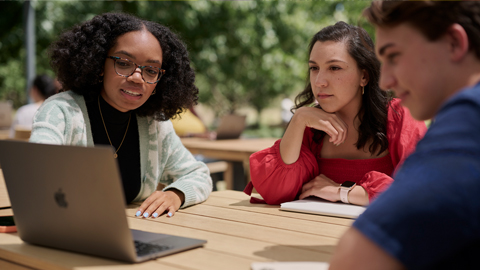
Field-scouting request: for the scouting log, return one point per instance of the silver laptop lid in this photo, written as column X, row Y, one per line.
column 231, row 126
column 67, row 197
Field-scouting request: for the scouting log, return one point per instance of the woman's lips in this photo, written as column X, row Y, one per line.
column 131, row 93
column 324, row 96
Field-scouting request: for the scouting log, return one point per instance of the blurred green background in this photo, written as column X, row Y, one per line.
column 248, row 55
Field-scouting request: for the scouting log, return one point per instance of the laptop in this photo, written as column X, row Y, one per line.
column 71, row 198
column 231, row 126
column 315, row 205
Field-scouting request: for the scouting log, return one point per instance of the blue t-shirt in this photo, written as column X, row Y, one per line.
column 430, row 216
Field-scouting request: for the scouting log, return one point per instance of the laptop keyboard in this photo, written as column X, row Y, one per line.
column 146, row 248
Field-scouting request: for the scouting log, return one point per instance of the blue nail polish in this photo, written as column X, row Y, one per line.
column 145, row 214
column 170, row 214
column 138, row 213
column 155, row 215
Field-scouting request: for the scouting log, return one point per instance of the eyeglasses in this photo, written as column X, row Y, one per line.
column 126, row 68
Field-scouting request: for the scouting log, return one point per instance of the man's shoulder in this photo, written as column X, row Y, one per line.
column 469, row 95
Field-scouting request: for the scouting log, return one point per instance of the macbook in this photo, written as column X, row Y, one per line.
column 71, row 198
column 231, row 126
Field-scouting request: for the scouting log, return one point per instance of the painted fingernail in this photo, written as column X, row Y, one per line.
column 138, row 213
column 145, row 214
column 155, row 215
column 170, row 214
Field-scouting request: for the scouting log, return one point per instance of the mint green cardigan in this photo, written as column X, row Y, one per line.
column 63, row 119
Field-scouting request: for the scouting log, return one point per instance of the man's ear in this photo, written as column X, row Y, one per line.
column 458, row 40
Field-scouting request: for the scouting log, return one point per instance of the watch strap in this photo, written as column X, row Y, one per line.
column 344, row 194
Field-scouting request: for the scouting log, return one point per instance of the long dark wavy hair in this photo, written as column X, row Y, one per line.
column 374, row 110
column 79, row 55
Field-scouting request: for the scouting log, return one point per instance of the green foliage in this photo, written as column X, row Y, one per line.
column 245, row 53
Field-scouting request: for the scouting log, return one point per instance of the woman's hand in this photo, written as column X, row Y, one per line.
column 159, row 202
column 315, row 118
column 322, row 187
column 330, row 123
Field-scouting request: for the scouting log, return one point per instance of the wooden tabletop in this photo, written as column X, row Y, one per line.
column 238, row 234
column 237, row 149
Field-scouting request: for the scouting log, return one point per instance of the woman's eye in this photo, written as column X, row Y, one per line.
column 313, row 68
column 335, row 68
column 152, row 71
column 123, row 63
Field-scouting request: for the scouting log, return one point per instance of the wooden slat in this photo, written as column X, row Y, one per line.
column 12, row 266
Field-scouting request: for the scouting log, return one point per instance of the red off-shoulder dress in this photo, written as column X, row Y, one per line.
column 278, row 182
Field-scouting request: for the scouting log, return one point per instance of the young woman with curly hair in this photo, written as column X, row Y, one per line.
column 348, row 145
column 124, row 78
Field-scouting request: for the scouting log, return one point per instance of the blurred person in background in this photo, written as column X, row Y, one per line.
column 348, row 146
column 43, row 87
column 189, row 124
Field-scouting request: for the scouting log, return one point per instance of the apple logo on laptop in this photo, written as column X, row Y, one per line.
column 60, row 198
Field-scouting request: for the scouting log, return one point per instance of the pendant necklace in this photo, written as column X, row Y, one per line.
column 103, row 121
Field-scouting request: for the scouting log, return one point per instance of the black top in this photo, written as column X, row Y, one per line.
column 129, row 154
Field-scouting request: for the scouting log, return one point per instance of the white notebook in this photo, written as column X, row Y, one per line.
column 319, row 206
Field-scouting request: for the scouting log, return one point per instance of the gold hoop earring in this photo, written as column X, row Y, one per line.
column 154, row 92
column 363, row 90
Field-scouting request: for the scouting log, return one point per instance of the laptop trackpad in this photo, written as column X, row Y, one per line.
column 148, row 237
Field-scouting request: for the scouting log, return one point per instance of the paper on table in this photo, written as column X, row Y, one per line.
column 313, row 205
column 290, row 266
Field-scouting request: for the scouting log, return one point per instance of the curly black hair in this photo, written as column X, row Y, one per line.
column 79, row 55
column 374, row 111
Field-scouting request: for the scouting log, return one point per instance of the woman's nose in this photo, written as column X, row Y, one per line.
column 137, row 76
column 321, row 80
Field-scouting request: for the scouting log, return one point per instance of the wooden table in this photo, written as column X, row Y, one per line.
column 230, row 150
column 238, row 234
column 4, row 133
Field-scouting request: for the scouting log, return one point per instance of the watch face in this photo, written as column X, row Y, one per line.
column 348, row 184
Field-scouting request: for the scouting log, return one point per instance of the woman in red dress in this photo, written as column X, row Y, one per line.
column 347, row 145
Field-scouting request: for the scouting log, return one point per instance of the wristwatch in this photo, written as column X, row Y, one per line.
column 345, row 188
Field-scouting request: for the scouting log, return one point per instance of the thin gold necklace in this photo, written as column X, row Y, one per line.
column 103, row 121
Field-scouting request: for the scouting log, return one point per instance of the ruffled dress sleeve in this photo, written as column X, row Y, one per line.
column 403, row 133
column 276, row 181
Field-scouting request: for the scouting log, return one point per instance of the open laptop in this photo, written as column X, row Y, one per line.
column 71, row 198
column 231, row 126
column 318, row 206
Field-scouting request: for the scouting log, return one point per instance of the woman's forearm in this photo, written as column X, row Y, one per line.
column 358, row 195
column 292, row 141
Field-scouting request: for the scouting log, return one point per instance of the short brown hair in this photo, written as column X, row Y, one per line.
column 431, row 18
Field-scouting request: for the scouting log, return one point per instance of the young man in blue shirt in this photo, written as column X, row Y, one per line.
column 430, row 216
